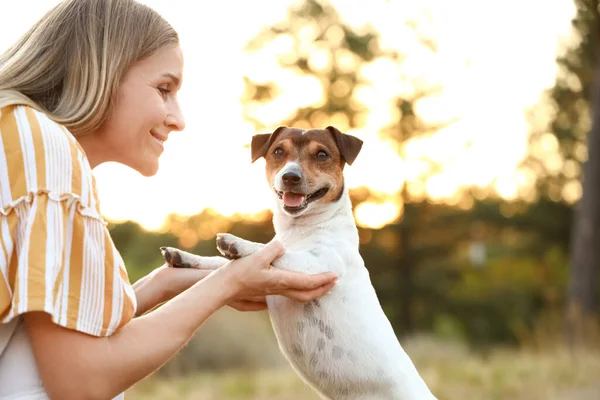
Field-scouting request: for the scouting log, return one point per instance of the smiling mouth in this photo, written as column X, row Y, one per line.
column 159, row 139
column 295, row 202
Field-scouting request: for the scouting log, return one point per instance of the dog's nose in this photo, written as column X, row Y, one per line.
column 291, row 178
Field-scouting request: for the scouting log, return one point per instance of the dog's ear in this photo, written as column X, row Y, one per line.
column 261, row 143
column 349, row 145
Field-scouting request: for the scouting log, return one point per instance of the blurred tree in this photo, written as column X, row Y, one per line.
column 583, row 69
column 319, row 45
column 561, row 123
column 563, row 157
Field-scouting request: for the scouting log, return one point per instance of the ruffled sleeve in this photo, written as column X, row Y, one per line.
column 56, row 254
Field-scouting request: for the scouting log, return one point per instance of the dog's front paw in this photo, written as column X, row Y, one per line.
column 173, row 258
column 227, row 245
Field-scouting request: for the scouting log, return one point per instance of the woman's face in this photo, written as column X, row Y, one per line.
column 145, row 112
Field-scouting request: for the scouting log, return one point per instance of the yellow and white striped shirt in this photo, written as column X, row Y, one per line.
column 56, row 254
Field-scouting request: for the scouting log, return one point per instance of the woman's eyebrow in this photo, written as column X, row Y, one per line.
column 176, row 80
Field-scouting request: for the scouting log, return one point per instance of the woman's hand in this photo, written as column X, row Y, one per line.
column 253, row 277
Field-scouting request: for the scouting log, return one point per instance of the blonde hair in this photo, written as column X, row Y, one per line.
column 70, row 63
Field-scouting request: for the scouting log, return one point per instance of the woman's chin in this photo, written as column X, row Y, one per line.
column 146, row 168
column 149, row 170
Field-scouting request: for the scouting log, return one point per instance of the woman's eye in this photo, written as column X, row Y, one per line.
column 278, row 152
column 164, row 91
column 321, row 155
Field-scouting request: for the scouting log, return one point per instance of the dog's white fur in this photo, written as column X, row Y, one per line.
column 342, row 345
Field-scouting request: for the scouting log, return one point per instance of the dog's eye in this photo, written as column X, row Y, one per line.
column 278, row 152
column 322, row 156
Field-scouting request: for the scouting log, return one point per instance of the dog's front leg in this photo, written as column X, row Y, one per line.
column 311, row 262
column 182, row 259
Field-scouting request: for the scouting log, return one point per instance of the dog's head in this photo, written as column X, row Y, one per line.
column 305, row 168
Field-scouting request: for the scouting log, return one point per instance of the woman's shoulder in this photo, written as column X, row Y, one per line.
column 27, row 130
column 38, row 155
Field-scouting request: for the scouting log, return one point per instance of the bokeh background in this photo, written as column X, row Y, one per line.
column 480, row 234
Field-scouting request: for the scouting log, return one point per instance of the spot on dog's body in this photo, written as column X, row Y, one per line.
column 309, row 313
column 321, row 326
column 313, row 360
column 337, row 352
column 320, row 344
column 297, row 350
column 328, row 332
column 308, row 309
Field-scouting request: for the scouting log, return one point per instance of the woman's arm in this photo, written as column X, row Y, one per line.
column 163, row 284
column 74, row 365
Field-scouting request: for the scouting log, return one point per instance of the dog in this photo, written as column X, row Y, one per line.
column 342, row 345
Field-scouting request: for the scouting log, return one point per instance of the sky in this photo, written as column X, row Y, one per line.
column 511, row 47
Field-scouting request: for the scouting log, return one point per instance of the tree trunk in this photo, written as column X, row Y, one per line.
column 406, row 265
column 585, row 238
column 405, row 281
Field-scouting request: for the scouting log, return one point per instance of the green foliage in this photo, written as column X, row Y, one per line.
column 497, row 302
column 140, row 249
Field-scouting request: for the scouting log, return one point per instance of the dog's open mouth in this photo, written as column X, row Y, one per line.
column 294, row 202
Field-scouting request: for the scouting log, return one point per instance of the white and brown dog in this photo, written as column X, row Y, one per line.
column 342, row 345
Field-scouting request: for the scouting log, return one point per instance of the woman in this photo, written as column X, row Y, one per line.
column 96, row 81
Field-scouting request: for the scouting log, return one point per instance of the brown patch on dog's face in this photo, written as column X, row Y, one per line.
column 305, row 167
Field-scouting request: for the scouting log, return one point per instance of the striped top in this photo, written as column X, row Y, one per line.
column 56, row 254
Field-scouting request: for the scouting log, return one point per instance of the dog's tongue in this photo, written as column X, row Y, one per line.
column 293, row 199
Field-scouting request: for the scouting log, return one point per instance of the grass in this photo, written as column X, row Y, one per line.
column 451, row 371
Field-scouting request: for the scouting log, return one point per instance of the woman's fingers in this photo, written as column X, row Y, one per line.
column 301, row 281
column 245, row 305
column 258, row 299
column 308, row 295
column 272, row 251
column 258, row 303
